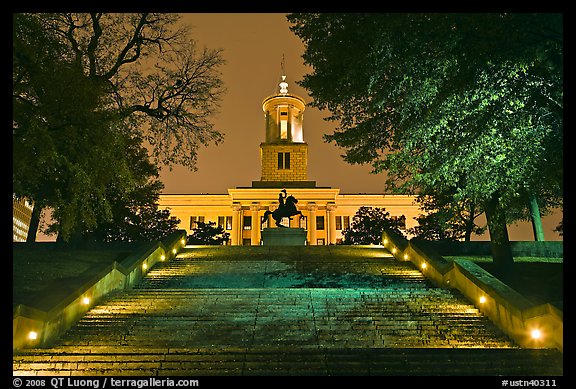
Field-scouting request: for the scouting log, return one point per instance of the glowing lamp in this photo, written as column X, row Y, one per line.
column 144, row 266
column 162, row 257
column 85, row 301
column 482, row 300
column 32, row 335
column 183, row 241
column 394, row 250
column 174, row 251
column 536, row 334
column 385, row 242
column 424, row 265
column 405, row 256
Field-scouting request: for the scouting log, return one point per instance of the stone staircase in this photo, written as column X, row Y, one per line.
column 330, row 310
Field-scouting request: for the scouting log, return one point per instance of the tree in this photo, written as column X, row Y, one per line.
column 85, row 86
column 208, row 234
column 444, row 101
column 368, row 224
column 443, row 220
column 135, row 213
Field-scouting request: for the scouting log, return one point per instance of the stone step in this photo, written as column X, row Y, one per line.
column 219, row 312
column 293, row 361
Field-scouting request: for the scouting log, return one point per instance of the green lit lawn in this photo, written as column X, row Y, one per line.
column 33, row 270
column 481, row 259
column 539, row 279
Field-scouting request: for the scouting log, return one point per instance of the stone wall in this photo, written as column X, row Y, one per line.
column 507, row 309
column 298, row 162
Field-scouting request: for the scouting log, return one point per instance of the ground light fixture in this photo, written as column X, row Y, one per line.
column 86, row 301
column 144, row 266
column 482, row 299
column 32, row 335
column 536, row 334
column 183, row 241
column 162, row 258
column 423, row 265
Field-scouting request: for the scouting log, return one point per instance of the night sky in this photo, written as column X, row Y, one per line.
column 253, row 46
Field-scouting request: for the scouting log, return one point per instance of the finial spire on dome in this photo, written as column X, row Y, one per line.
column 283, row 84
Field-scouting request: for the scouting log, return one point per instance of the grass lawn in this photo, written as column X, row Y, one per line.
column 35, row 269
column 539, row 279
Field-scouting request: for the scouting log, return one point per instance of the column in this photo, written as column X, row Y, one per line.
column 271, row 221
column 255, row 232
column 236, row 219
column 312, row 208
column 331, row 210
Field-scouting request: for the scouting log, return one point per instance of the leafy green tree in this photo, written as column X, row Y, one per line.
column 86, row 87
column 135, row 213
column 442, row 101
column 368, row 224
column 131, row 205
column 208, row 234
column 443, row 220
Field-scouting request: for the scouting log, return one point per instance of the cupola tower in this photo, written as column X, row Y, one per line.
column 284, row 154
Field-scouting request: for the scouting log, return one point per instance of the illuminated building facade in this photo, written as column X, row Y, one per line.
column 21, row 216
column 284, row 159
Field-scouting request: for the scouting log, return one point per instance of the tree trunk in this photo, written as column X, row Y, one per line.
column 469, row 226
column 536, row 219
column 34, row 224
column 500, row 243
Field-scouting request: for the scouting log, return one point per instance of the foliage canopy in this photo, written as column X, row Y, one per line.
column 468, row 104
column 368, row 224
column 95, row 97
column 208, row 234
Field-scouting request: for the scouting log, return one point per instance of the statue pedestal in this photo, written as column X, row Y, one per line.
column 284, row 237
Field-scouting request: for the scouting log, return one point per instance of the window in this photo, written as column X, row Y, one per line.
column 320, row 241
column 319, row 222
column 194, row 221
column 225, row 222
column 304, row 222
column 283, row 161
column 342, row 222
column 247, row 222
column 401, row 221
column 284, row 124
column 346, row 222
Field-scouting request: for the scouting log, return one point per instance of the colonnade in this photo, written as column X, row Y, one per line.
column 257, row 211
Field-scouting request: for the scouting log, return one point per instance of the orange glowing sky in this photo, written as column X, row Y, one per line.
column 253, row 46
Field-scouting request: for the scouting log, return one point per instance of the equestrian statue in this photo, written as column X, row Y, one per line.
column 286, row 208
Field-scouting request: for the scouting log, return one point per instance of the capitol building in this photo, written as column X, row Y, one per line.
column 284, row 159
